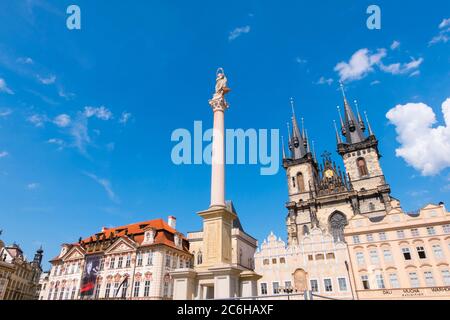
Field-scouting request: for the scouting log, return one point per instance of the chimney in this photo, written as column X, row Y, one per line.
column 172, row 221
column 104, row 229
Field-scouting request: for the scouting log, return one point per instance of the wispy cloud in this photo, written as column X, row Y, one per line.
column 323, row 80
column 4, row 87
column 25, row 60
column 4, row 154
column 106, row 184
column 125, row 117
column 62, row 121
column 32, row 186
column 300, row 60
column 238, row 32
column 5, row 112
column 402, row 68
column 38, row 120
column 46, row 80
column 395, row 45
column 101, row 113
column 444, row 33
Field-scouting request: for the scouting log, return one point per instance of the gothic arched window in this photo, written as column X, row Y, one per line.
column 300, row 182
column 362, row 167
column 305, row 230
column 337, row 224
column 199, row 257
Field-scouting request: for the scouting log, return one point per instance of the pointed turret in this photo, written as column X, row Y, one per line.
column 353, row 131
column 360, row 120
column 282, row 147
column 368, row 124
column 338, row 136
column 298, row 141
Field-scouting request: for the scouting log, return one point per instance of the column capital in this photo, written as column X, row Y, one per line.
column 219, row 104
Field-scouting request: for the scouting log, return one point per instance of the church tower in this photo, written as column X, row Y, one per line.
column 362, row 161
column 301, row 173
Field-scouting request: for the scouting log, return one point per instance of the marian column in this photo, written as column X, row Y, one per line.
column 218, row 105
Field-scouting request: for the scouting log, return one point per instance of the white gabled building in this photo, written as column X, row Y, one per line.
column 127, row 262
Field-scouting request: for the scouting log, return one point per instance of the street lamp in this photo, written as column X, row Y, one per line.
column 288, row 290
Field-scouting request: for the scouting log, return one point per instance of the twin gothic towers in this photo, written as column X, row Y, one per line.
column 320, row 194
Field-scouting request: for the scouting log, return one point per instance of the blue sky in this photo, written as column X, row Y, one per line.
column 86, row 116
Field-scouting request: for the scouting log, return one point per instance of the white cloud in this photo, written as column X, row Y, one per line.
column 444, row 33
column 125, row 117
column 37, row 119
column 324, row 80
column 66, row 95
column 79, row 132
column 402, row 68
column 106, row 184
column 375, row 82
column 58, row 142
column 300, row 60
column 4, row 154
column 415, row 73
column 445, row 23
column 238, row 32
column 25, row 60
column 423, row 145
column 49, row 80
column 395, row 45
column 5, row 113
column 360, row 64
column 4, row 87
column 99, row 112
column 33, row 186
column 63, row 120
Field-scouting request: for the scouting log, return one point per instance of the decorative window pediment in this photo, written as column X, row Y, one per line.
column 149, row 236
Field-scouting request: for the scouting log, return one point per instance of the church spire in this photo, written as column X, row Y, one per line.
column 360, row 120
column 353, row 132
column 297, row 142
column 338, row 137
column 282, row 147
column 368, row 124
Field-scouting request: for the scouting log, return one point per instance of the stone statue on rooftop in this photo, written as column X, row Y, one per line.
column 221, row 85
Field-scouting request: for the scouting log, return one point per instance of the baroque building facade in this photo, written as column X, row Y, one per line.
column 130, row 262
column 19, row 278
column 401, row 256
column 317, row 264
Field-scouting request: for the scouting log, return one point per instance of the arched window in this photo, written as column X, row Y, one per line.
column 338, row 221
column 293, row 182
column 362, row 167
column 305, row 230
column 199, row 257
column 300, row 182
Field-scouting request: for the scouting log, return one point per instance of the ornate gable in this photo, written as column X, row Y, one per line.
column 74, row 253
column 121, row 245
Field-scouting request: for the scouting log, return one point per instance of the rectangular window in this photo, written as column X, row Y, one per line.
column 112, row 262
column 356, row 239
column 369, row 237
column 380, row 281
column 360, row 258
column 421, row 252
column 414, row 280
column 116, row 289
column 446, row 277
column 97, row 290
column 429, row 279
column 147, row 288
column 446, row 228
column 120, row 263
column 400, row 234
column 314, row 285
column 415, row 232
column 275, row 287
column 168, row 261
column 365, row 282
column 49, row 297
column 150, row 258
column 382, row 236
column 374, row 257
column 431, row 231
column 287, row 284
column 124, row 289
column 263, row 288
column 387, row 254
column 328, row 285
column 393, row 279
column 128, row 263
column 108, row 290
column 74, row 292
column 166, row 289
column 137, row 286
column 139, row 259
column 102, row 264
column 437, row 250
column 342, row 284
column 406, row 253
